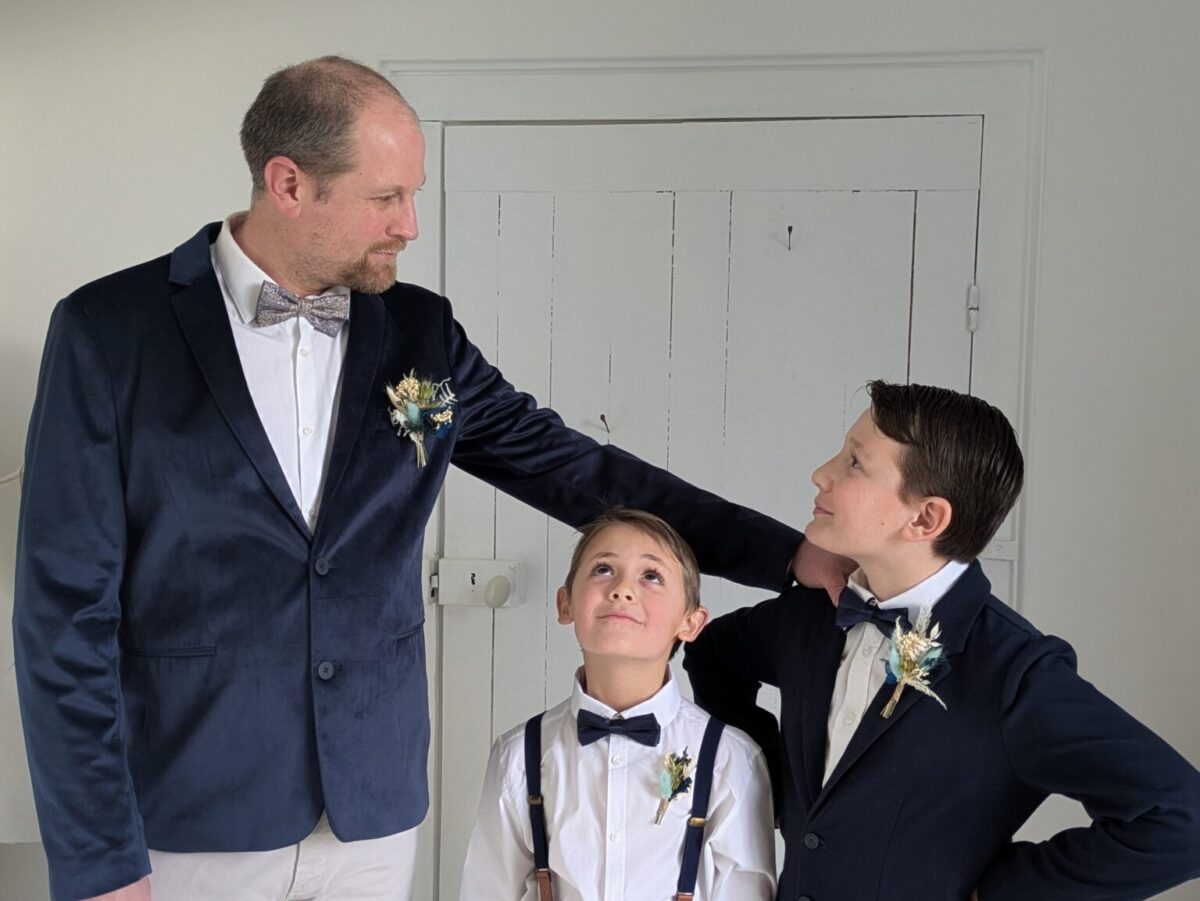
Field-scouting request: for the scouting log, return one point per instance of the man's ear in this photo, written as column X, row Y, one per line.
column 285, row 185
column 931, row 517
column 562, row 600
column 693, row 623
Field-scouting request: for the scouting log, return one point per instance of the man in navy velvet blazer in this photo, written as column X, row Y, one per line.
column 205, row 662
column 921, row 801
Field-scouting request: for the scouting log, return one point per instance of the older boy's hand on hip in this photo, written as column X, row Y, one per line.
column 816, row 567
column 138, row 891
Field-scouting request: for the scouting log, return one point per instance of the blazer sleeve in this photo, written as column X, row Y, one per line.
column 731, row 660
column 71, row 550
column 506, row 440
column 1063, row 736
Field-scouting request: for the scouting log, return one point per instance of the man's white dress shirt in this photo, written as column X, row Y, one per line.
column 861, row 673
column 293, row 371
column 600, row 804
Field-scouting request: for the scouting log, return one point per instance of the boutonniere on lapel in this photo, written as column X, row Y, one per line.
column 913, row 656
column 674, row 780
column 420, row 406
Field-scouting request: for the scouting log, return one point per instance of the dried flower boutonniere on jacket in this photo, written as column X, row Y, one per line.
column 913, row 655
column 420, row 406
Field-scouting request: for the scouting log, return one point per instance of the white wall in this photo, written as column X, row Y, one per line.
column 119, row 122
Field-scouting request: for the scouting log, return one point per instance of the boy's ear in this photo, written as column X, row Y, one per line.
column 562, row 601
column 693, row 624
column 931, row 518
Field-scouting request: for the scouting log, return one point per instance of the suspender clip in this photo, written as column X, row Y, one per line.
column 535, row 800
column 697, row 821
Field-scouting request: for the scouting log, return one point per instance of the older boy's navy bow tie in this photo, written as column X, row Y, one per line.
column 643, row 729
column 326, row 313
column 853, row 610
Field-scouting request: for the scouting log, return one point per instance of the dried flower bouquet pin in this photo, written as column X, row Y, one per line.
column 673, row 781
column 420, row 406
column 913, row 655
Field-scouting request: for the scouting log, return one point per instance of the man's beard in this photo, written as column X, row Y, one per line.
column 369, row 275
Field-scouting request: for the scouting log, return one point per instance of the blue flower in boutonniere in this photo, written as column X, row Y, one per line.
column 674, row 780
column 913, row 655
column 420, row 406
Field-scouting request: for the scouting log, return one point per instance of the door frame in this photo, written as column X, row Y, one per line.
column 1006, row 87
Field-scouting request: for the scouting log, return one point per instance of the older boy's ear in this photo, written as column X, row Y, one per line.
column 562, row 601
column 931, row 518
column 693, row 623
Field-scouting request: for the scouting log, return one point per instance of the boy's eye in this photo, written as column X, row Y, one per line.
column 854, row 464
column 653, row 575
column 601, row 569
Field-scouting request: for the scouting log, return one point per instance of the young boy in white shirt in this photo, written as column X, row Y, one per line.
column 611, row 802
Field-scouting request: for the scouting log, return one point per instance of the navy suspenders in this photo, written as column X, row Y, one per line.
column 693, row 838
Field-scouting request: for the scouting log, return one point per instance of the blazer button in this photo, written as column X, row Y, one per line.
column 325, row 670
column 322, row 566
column 812, row 841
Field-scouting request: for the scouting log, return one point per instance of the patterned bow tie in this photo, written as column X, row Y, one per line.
column 325, row 313
column 642, row 729
column 853, row 610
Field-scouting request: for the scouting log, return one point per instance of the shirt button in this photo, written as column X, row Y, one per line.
column 617, row 760
column 867, row 650
column 304, row 351
column 325, row 670
column 848, row 719
column 812, row 841
column 306, row 431
column 614, row 836
column 321, row 566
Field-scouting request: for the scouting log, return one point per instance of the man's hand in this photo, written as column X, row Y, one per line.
column 139, row 891
column 815, row 567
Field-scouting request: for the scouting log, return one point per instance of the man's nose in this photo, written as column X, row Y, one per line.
column 404, row 223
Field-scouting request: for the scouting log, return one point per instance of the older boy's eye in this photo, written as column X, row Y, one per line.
column 854, row 463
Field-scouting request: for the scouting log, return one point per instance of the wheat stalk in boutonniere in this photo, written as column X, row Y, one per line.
column 912, row 657
column 420, row 406
column 673, row 781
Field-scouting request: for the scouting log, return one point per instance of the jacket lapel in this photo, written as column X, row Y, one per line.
column 956, row 612
column 821, row 658
column 360, row 385
column 200, row 309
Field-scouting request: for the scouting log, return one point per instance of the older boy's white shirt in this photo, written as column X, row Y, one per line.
column 293, row 371
column 861, row 673
column 600, row 803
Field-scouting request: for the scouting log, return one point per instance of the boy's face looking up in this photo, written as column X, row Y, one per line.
column 861, row 510
column 627, row 598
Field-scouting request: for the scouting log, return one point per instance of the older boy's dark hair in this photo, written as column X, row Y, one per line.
column 956, row 447
column 658, row 529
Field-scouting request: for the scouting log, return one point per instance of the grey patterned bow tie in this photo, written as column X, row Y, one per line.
column 325, row 313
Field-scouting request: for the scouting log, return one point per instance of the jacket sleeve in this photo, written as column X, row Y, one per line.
column 1063, row 736
column 71, row 550
column 506, row 440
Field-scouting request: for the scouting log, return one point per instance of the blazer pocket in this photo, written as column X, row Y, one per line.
column 207, row 650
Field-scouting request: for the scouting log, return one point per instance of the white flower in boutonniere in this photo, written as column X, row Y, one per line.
column 420, row 406
column 913, row 655
column 673, row 781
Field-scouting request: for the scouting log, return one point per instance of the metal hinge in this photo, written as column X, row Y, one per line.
column 972, row 307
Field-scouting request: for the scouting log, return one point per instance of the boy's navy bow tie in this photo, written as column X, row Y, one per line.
column 643, row 729
column 853, row 610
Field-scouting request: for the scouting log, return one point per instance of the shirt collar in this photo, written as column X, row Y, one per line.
column 241, row 276
column 664, row 703
column 924, row 594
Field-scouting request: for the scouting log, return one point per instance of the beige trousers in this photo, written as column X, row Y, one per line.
column 319, row 868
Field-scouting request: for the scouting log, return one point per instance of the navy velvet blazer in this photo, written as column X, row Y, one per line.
column 923, row 805
column 199, row 672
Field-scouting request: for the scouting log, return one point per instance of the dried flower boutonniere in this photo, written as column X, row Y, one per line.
column 913, row 655
column 420, row 406
column 673, row 781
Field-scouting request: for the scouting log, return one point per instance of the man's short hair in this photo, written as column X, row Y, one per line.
column 956, row 447
column 307, row 112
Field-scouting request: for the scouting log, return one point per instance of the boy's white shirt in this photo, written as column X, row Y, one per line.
column 600, row 804
column 861, row 674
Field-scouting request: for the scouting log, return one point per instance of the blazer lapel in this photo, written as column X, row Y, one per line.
column 822, row 658
column 360, row 383
column 200, row 309
column 956, row 612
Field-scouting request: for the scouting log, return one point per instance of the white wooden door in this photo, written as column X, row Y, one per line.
column 710, row 296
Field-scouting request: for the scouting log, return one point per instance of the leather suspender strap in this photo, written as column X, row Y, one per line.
column 537, row 808
column 693, row 838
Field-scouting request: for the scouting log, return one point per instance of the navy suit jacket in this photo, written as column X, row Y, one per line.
column 923, row 805
column 199, row 672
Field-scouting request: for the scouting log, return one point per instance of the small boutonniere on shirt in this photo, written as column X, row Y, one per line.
column 420, row 406
column 913, row 656
column 674, row 780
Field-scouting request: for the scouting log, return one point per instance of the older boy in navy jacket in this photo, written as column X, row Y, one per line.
column 908, row 755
